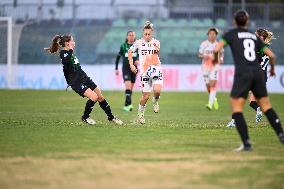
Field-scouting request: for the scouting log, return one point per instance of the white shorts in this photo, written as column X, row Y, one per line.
column 212, row 74
column 153, row 76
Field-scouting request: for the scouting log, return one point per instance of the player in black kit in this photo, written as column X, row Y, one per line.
column 78, row 79
column 266, row 36
column 248, row 76
column 128, row 76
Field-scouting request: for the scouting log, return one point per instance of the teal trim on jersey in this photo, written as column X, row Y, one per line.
column 224, row 41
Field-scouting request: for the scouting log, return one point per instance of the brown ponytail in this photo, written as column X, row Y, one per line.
column 57, row 42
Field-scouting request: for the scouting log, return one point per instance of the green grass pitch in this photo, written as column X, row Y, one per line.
column 43, row 144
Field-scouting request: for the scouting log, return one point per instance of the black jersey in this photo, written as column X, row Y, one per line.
column 245, row 46
column 71, row 66
column 123, row 52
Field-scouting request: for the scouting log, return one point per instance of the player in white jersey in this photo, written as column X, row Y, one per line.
column 209, row 69
column 150, row 69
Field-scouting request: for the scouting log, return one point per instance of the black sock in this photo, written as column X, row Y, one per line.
column 274, row 121
column 254, row 105
column 128, row 94
column 88, row 108
column 105, row 106
column 242, row 128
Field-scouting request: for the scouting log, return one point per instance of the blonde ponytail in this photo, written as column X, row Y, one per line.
column 148, row 25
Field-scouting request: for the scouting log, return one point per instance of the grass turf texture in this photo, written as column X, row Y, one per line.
column 43, row 144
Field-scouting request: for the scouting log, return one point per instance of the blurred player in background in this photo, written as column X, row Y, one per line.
column 78, row 79
column 128, row 76
column 209, row 69
column 150, row 68
column 245, row 46
column 266, row 36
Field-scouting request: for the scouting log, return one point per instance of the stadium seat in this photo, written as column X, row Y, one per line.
column 132, row 23
column 119, row 23
column 195, row 23
column 208, row 22
column 221, row 23
column 182, row 23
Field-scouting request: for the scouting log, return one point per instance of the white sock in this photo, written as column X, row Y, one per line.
column 212, row 97
column 141, row 108
column 155, row 99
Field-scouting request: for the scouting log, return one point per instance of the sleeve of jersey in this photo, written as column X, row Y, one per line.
column 201, row 48
column 120, row 53
column 263, row 48
column 137, row 57
column 134, row 47
column 261, row 45
column 158, row 45
column 66, row 56
column 226, row 38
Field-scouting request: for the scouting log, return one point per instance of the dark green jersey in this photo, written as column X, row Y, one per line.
column 123, row 52
column 71, row 66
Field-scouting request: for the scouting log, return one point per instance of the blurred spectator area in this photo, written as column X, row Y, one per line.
column 99, row 27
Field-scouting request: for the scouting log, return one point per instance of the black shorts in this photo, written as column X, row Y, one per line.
column 128, row 75
column 81, row 85
column 249, row 80
column 265, row 76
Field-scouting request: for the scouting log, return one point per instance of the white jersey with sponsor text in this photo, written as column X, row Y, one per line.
column 206, row 48
column 148, row 53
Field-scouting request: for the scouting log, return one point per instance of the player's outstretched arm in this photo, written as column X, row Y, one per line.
column 220, row 45
column 272, row 60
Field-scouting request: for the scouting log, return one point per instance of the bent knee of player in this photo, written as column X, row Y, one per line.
column 157, row 88
column 91, row 95
column 237, row 104
column 264, row 103
column 128, row 84
column 99, row 94
column 213, row 88
column 101, row 98
column 146, row 96
column 213, row 84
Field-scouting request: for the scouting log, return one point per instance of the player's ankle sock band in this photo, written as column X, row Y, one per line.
column 254, row 105
column 274, row 121
column 242, row 127
column 105, row 106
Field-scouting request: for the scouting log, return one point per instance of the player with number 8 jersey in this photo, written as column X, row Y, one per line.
column 266, row 36
column 245, row 46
